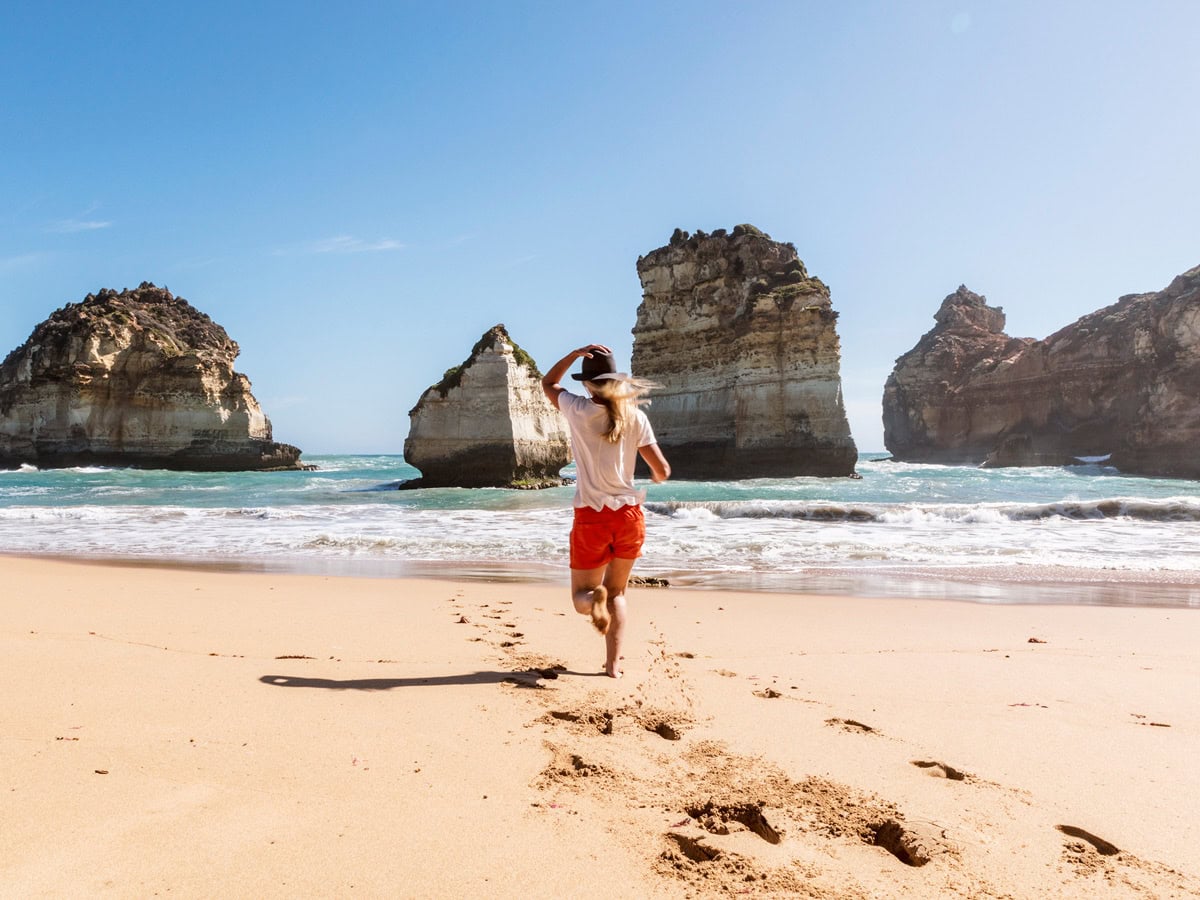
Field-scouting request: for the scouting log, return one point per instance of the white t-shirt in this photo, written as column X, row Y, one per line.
column 605, row 470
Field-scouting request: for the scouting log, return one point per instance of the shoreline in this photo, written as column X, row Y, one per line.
column 1051, row 585
column 282, row 735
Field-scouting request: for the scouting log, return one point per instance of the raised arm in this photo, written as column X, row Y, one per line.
column 550, row 381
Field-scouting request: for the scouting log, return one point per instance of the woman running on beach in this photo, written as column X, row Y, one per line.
column 608, row 432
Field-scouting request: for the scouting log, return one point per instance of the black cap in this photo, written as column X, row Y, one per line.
column 597, row 366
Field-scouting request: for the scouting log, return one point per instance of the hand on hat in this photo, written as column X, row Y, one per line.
column 587, row 351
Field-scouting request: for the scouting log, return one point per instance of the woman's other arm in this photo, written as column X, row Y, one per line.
column 660, row 469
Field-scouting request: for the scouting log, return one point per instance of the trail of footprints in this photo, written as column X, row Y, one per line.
column 710, row 793
column 496, row 624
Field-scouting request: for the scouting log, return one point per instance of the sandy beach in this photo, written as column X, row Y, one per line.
column 205, row 733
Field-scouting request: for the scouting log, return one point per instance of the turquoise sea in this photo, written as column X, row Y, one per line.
column 1082, row 534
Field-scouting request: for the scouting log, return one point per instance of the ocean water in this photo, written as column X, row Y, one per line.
column 1080, row 534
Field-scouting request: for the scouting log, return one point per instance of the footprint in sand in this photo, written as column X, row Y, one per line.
column 940, row 769
column 905, row 842
column 547, row 665
column 1103, row 847
column 567, row 766
column 599, row 720
column 852, row 725
column 1093, row 858
column 715, row 818
column 668, row 726
column 664, row 730
column 528, row 678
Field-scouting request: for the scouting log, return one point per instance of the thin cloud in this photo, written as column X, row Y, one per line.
column 346, row 244
column 74, row 226
column 81, row 222
column 12, row 263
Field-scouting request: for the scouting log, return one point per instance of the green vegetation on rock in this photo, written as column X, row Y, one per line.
column 497, row 334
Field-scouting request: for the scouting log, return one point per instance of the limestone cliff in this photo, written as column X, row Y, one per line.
column 744, row 344
column 1124, row 380
column 487, row 423
column 138, row 378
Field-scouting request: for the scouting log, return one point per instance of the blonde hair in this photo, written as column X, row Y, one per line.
column 621, row 397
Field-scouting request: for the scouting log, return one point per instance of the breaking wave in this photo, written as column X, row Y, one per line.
column 1171, row 509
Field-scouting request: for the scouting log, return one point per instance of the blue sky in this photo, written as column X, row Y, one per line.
column 358, row 190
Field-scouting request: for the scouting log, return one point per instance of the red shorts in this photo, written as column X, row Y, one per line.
column 597, row 537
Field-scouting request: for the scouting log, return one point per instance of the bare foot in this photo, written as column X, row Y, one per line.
column 600, row 615
column 614, row 672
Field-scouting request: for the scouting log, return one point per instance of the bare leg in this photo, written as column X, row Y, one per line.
column 614, row 638
column 616, row 578
column 589, row 595
column 601, row 617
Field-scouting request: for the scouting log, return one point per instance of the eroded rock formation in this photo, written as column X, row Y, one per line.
column 138, row 378
column 743, row 341
column 1124, row 380
column 487, row 423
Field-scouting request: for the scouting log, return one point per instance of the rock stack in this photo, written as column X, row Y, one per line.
column 138, row 378
column 1121, row 383
column 743, row 341
column 488, row 424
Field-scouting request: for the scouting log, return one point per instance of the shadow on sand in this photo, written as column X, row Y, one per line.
column 529, row 678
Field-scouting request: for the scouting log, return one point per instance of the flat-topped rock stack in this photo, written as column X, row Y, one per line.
column 138, row 378
column 1122, row 383
column 487, row 423
column 744, row 343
